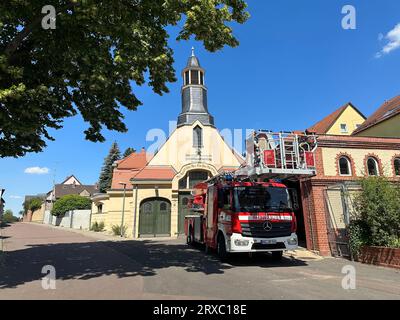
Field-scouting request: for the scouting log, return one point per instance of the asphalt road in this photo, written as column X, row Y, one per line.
column 88, row 268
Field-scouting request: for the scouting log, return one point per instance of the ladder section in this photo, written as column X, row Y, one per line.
column 282, row 155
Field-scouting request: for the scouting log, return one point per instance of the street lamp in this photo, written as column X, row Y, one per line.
column 123, row 210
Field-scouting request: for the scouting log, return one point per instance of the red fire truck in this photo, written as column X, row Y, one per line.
column 250, row 209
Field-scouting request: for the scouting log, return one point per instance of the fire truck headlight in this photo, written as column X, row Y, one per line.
column 241, row 243
column 292, row 241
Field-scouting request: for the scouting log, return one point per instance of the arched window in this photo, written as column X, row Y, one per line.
column 344, row 166
column 396, row 165
column 372, row 167
column 197, row 137
column 163, row 206
column 147, row 207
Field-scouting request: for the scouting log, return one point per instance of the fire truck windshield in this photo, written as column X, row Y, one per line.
column 259, row 198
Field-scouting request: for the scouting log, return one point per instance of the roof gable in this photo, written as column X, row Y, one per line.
column 71, row 180
column 324, row 125
column 67, row 189
column 387, row 110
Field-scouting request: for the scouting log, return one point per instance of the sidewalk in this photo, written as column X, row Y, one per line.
column 304, row 255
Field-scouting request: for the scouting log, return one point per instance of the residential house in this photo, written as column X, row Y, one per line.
column 384, row 122
column 70, row 185
column 343, row 121
column 342, row 159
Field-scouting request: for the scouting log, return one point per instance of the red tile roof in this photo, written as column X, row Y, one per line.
column 155, row 173
column 386, row 111
column 136, row 160
column 326, row 123
column 123, row 176
column 128, row 167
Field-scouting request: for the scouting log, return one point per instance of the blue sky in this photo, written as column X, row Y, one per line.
column 295, row 64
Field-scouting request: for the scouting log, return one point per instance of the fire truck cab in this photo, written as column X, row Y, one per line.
column 250, row 210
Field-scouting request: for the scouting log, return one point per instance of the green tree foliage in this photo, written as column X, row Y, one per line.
column 70, row 202
column 128, row 152
column 107, row 169
column 8, row 217
column 376, row 217
column 32, row 204
column 89, row 62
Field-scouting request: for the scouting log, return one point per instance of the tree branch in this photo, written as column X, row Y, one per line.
column 16, row 42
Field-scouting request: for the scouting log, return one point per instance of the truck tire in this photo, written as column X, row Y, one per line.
column 221, row 248
column 277, row 255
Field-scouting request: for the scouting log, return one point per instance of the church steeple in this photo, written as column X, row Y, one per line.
column 194, row 95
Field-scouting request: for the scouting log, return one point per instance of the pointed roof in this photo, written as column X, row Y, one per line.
column 69, row 177
column 326, row 123
column 386, row 111
column 193, row 61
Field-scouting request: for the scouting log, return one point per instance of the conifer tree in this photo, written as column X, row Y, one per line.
column 107, row 170
column 128, row 152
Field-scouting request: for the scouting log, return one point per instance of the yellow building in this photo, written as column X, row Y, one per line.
column 384, row 122
column 342, row 158
column 343, row 121
column 157, row 187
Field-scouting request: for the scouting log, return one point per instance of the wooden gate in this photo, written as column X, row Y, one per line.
column 155, row 218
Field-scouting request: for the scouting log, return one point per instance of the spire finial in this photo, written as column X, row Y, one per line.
column 192, row 51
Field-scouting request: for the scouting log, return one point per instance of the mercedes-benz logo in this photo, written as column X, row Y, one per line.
column 267, row 226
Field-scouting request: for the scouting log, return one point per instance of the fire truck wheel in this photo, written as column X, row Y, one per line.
column 277, row 255
column 221, row 248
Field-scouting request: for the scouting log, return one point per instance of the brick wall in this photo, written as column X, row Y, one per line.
column 312, row 191
column 380, row 256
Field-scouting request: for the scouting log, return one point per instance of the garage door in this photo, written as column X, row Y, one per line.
column 155, row 218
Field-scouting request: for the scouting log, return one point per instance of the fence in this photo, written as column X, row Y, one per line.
column 77, row 219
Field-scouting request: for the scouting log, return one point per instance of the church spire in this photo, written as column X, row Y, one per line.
column 194, row 94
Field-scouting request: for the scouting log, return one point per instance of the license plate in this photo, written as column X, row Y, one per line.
column 268, row 241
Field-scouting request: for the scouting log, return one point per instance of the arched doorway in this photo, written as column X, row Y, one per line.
column 186, row 184
column 155, row 217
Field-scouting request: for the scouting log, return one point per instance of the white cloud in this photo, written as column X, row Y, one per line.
column 393, row 37
column 15, row 197
column 37, row 170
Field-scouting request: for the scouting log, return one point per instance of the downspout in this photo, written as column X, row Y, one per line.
column 309, row 214
column 135, row 212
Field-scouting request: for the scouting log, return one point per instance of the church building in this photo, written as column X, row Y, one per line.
column 150, row 192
